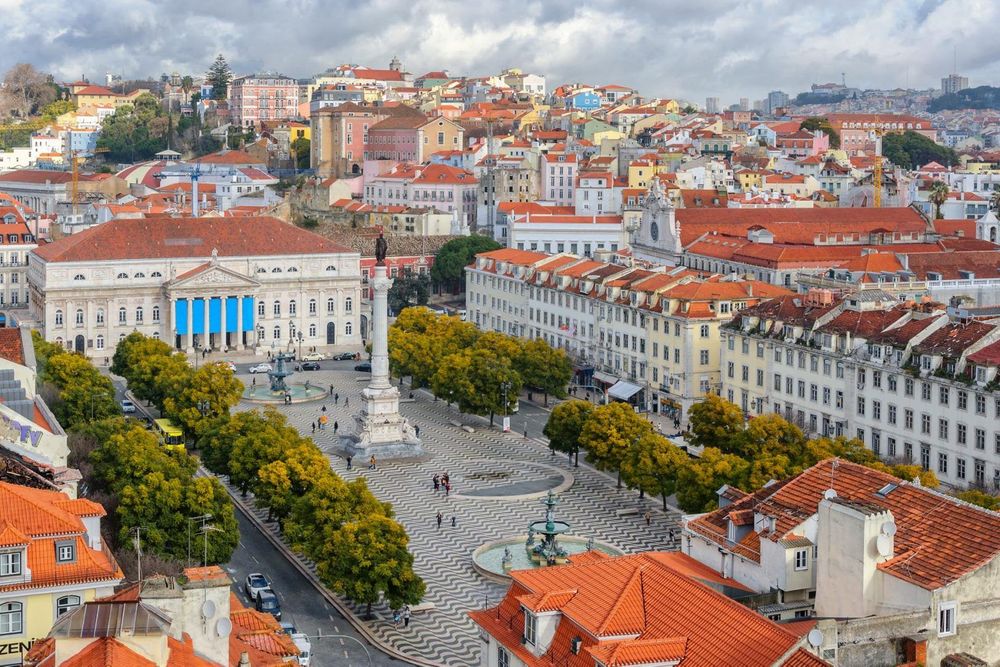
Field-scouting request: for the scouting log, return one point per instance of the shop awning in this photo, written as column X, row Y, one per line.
column 606, row 378
column 624, row 390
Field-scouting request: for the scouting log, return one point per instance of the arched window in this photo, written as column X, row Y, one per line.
column 156, row 335
column 12, row 617
column 138, row 314
column 260, row 309
column 348, row 305
column 292, row 308
column 121, row 337
column 276, row 270
column 79, row 276
column 331, row 268
column 261, row 269
column 79, row 317
column 312, row 306
column 99, row 342
column 312, row 330
column 122, row 315
column 59, row 318
column 349, row 329
column 100, row 316
column 155, row 274
column 277, row 332
column 156, row 313
column 331, row 305
column 122, row 276
column 66, row 603
column 59, row 341
column 292, row 269
column 139, row 275
column 277, row 308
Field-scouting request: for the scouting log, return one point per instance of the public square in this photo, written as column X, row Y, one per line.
column 497, row 480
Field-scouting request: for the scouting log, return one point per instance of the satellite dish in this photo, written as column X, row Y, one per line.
column 223, row 627
column 884, row 545
column 889, row 528
column 815, row 637
column 207, row 609
column 829, row 493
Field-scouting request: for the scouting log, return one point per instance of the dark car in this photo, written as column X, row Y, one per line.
column 343, row 356
column 267, row 601
column 364, row 367
column 310, row 365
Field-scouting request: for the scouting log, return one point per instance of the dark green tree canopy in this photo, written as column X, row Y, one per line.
column 219, row 75
column 814, row 123
column 910, row 150
column 450, row 262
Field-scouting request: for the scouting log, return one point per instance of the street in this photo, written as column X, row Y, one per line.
column 301, row 604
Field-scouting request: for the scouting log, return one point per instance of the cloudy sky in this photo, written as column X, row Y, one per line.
column 677, row 48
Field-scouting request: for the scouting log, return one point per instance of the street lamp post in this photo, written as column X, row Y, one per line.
column 301, row 338
column 101, row 394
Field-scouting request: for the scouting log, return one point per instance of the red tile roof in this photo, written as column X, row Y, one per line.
column 145, row 238
column 36, row 176
column 938, row 539
column 669, row 614
column 228, row 157
column 11, row 347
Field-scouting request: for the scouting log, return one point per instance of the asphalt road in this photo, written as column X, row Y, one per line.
column 301, row 604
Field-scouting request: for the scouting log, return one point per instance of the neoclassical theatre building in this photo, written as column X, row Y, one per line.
column 199, row 283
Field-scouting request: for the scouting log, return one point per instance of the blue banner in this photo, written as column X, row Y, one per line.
column 248, row 306
column 181, row 316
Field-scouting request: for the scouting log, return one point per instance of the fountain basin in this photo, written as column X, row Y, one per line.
column 300, row 394
column 487, row 559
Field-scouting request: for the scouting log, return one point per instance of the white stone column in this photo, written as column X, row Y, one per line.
column 189, row 306
column 207, row 343
column 239, row 321
column 224, row 340
column 380, row 322
column 172, row 321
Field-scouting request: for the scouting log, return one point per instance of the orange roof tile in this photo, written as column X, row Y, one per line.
column 640, row 652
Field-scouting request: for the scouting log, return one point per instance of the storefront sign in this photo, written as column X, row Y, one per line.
column 15, row 431
column 15, row 648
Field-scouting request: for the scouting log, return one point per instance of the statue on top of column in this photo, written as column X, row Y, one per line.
column 381, row 246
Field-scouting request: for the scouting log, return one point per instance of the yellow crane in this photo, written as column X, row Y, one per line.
column 877, row 133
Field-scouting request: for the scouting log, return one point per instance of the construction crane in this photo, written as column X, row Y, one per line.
column 194, row 173
column 75, row 161
column 876, row 135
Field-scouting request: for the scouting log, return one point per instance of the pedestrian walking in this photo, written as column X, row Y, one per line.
column 314, row 427
column 670, row 535
column 453, row 520
column 445, row 479
column 440, row 518
column 447, row 488
column 324, row 409
column 437, row 483
column 253, row 381
column 416, row 429
column 331, row 390
column 406, row 616
column 396, row 617
column 336, row 397
column 371, row 463
column 346, row 401
column 648, row 516
column 525, row 430
column 348, row 462
column 336, row 426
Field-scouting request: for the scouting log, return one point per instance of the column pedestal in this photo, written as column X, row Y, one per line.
column 380, row 430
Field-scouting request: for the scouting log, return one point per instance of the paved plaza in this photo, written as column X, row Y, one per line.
column 497, row 482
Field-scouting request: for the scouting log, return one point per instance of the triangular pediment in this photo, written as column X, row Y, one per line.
column 210, row 274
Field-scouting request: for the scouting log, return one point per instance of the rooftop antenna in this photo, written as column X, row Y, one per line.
column 843, row 79
column 138, row 552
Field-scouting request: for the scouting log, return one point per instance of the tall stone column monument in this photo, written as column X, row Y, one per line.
column 379, row 428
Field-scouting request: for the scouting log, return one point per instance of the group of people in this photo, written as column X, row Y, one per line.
column 442, row 482
column 401, row 615
column 440, row 519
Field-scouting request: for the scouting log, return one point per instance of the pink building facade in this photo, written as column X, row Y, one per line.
column 263, row 98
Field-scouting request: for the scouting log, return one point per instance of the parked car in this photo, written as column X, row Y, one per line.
column 260, row 368
column 302, row 643
column 255, row 583
column 343, row 356
column 310, row 365
column 314, row 356
column 128, row 407
column 268, row 601
column 364, row 367
column 228, row 364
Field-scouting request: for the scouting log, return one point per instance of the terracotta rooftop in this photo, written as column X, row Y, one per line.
column 228, row 157
column 145, row 238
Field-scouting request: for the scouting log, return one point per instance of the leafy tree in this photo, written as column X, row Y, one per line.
column 565, row 424
column 261, row 441
column 410, row 290
column 938, row 196
column 652, row 464
column 814, row 123
column 545, row 368
column 608, row 434
column 420, row 340
column 280, row 482
column 452, row 381
column 85, row 394
column 980, row 97
column 135, row 132
column 300, row 152
column 910, row 150
column 715, row 422
column 768, row 434
column 981, row 498
column 219, row 75
column 325, row 507
column 698, row 481
column 53, row 110
column 369, row 557
column 44, row 351
column 211, row 391
column 449, row 265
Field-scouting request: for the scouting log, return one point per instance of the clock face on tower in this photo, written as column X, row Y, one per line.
column 654, row 231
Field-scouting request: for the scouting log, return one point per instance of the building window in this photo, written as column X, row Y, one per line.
column 156, row 313
column 277, row 332
column 65, row 552
column 66, row 603
column 801, row 559
column 100, row 316
column 705, row 332
column 292, row 308
column 503, row 658
column 59, row 318
column 348, row 305
column 960, row 468
column 331, row 305
column 312, row 306
column 79, row 317
column 530, row 628
column 947, row 611
column 277, row 309
column 312, row 330
column 138, row 315
column 122, row 316
column 349, row 329
column 11, row 618
column 10, row 564
column 100, row 342
column 703, row 357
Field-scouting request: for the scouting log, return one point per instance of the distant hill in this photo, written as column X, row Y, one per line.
column 981, row 97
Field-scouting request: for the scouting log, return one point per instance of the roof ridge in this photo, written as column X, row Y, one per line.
column 626, row 589
column 46, row 507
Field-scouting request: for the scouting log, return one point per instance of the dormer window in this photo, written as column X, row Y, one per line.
column 530, row 628
column 10, row 564
column 65, row 552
